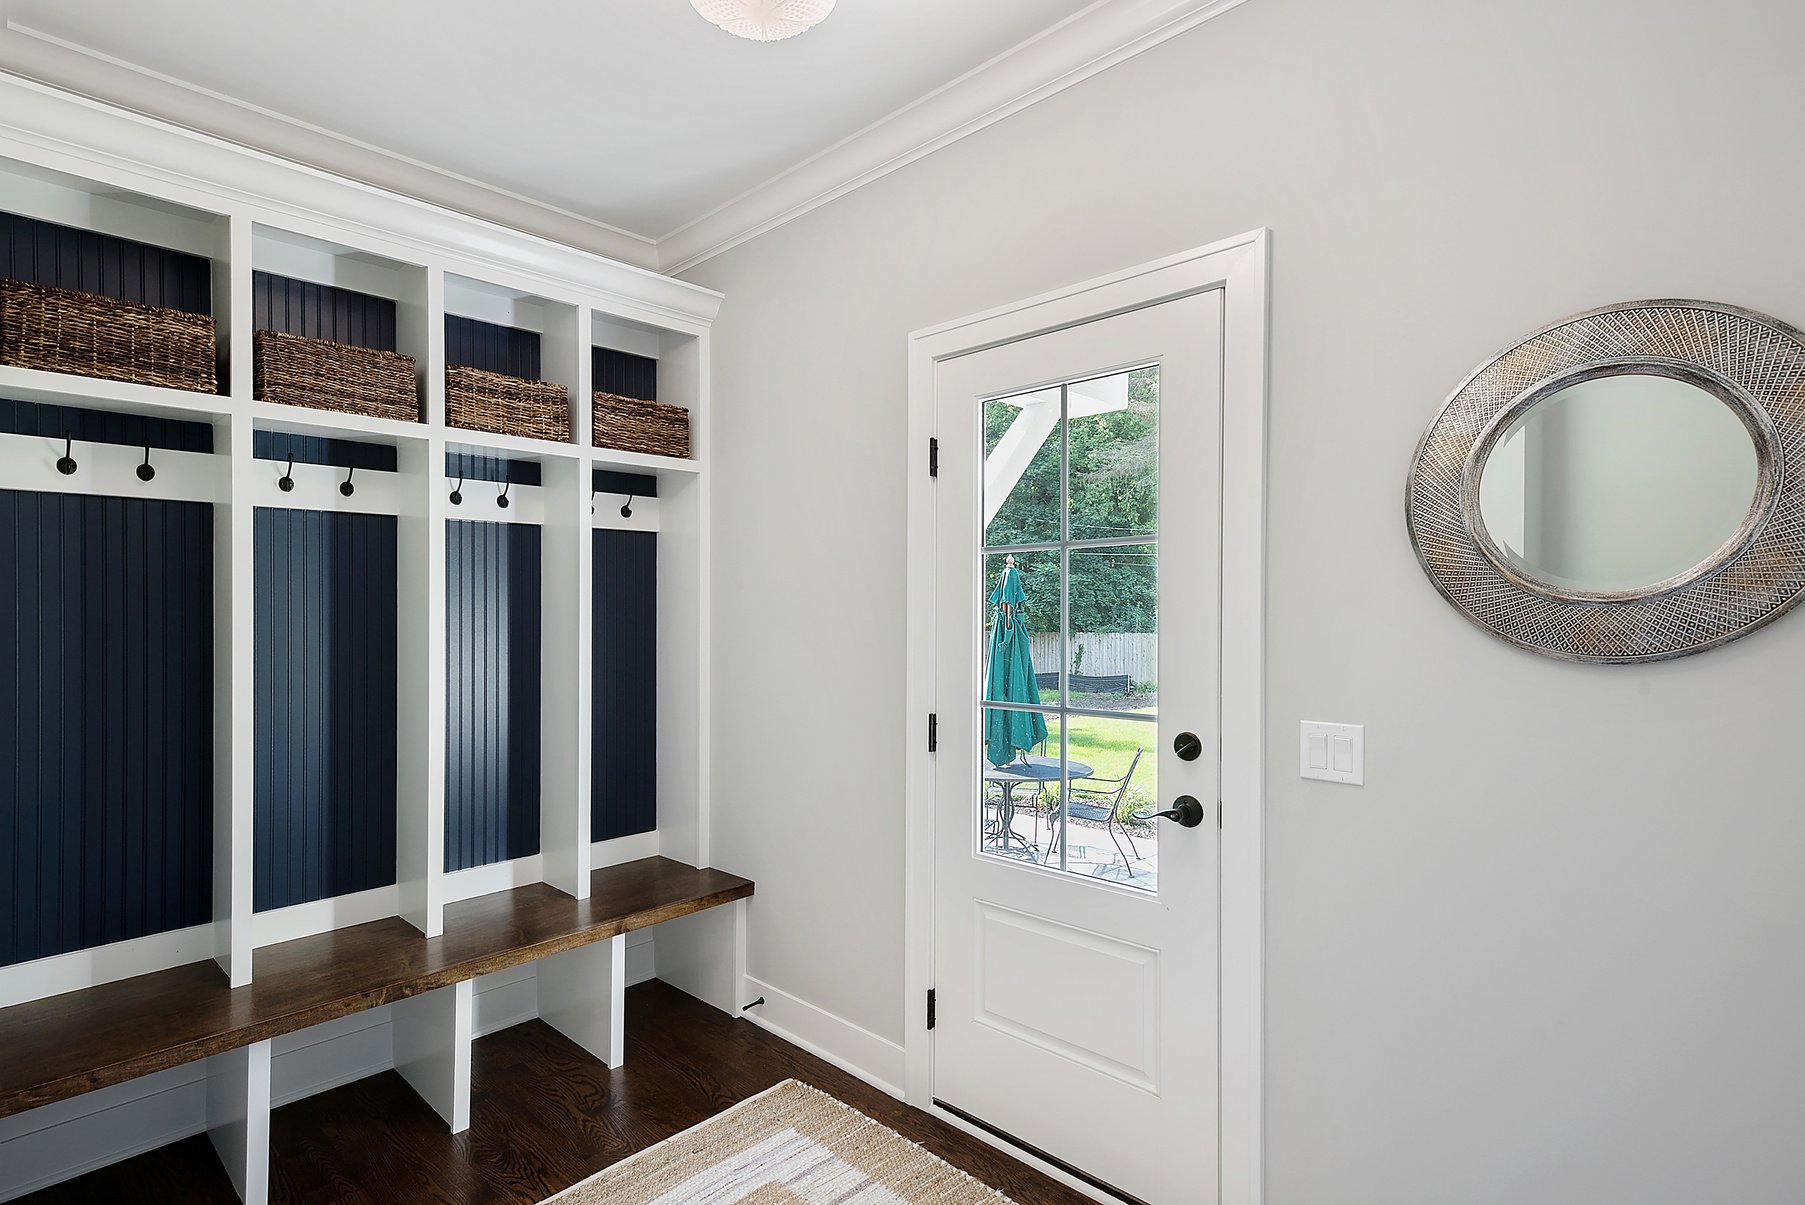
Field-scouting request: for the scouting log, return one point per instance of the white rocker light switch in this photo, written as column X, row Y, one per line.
column 1332, row 752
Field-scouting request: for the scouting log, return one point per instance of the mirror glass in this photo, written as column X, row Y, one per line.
column 1618, row 483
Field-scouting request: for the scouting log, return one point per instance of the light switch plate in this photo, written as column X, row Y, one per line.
column 1332, row 752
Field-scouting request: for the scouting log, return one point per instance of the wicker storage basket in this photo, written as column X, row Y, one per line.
column 323, row 375
column 60, row 330
column 489, row 401
column 633, row 425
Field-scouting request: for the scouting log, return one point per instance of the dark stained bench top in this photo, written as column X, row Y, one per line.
column 65, row 1045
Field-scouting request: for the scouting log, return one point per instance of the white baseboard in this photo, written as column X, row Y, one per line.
column 876, row 1060
column 323, row 916
column 496, row 876
column 58, row 1142
column 104, row 964
column 624, row 849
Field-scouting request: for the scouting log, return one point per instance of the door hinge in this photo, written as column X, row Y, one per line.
column 930, row 1008
column 933, row 732
column 933, row 457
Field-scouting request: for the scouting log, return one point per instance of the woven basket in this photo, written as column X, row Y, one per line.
column 335, row 376
column 633, row 425
column 502, row 405
column 60, row 330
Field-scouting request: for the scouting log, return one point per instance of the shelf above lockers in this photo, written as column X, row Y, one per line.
column 317, row 289
column 95, row 393
column 635, row 360
column 64, row 232
column 519, row 334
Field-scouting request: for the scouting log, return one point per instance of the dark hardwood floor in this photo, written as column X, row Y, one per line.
column 544, row 1115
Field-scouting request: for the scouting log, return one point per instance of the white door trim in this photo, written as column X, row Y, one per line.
column 1239, row 267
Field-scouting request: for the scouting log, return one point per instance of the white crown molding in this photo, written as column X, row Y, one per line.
column 1091, row 40
column 1094, row 39
column 93, row 139
column 39, row 56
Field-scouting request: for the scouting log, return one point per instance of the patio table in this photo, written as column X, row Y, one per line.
column 1036, row 770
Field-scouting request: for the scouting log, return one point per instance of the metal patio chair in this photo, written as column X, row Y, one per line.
column 1106, row 795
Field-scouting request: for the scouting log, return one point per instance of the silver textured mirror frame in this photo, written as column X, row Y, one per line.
column 1754, row 364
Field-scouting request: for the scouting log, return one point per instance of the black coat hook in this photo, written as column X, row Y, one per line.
column 592, row 502
column 145, row 471
column 502, row 499
column 286, row 483
column 626, row 508
column 345, row 487
column 66, row 463
column 457, row 495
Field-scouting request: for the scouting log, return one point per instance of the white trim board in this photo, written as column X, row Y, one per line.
column 1239, row 267
column 1094, row 39
column 850, row 1047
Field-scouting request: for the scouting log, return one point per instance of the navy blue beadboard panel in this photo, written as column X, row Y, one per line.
column 492, row 592
column 314, row 449
column 300, row 307
column 104, row 427
column 624, row 373
column 609, row 481
column 624, row 739
column 106, row 720
column 470, row 467
column 324, row 815
column 45, row 253
column 492, row 348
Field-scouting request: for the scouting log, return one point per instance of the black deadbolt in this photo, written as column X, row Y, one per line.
column 1187, row 746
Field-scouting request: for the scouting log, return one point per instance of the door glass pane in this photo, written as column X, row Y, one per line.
column 1114, row 437
column 1112, row 637
column 1070, row 620
column 1022, row 650
column 1112, row 764
column 1022, row 487
column 1020, row 792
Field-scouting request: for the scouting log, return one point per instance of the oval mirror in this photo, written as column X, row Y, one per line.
column 1617, row 484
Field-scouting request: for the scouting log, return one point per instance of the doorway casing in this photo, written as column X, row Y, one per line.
column 1239, row 268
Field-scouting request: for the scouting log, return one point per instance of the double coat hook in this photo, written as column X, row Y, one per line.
column 457, row 495
column 66, row 462
column 502, row 499
column 287, row 481
column 345, row 487
column 145, row 471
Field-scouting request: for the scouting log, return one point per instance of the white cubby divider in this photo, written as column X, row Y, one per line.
column 102, row 170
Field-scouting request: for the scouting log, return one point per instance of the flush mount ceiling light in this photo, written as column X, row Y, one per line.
column 765, row 20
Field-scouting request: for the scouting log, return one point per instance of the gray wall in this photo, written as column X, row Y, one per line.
column 1554, row 951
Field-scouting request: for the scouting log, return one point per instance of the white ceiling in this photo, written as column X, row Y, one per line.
column 633, row 113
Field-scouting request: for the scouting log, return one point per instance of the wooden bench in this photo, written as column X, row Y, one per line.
column 62, row 1046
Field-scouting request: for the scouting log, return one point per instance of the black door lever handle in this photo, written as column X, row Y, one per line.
column 1186, row 809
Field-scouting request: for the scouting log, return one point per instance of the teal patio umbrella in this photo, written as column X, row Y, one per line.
column 1009, row 675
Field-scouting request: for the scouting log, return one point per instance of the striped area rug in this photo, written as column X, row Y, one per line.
column 789, row 1145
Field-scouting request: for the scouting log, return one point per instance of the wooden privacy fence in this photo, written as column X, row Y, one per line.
column 1105, row 654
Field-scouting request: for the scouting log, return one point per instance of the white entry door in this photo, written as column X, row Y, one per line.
column 1077, row 649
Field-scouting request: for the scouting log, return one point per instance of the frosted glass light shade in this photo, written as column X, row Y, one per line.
column 764, row 20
